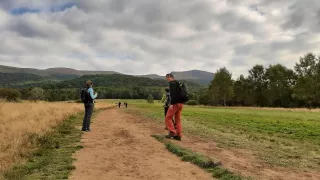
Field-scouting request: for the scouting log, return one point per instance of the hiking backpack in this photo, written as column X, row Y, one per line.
column 183, row 92
column 84, row 95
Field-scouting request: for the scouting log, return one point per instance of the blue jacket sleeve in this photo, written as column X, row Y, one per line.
column 90, row 90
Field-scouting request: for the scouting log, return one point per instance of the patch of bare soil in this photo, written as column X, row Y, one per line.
column 121, row 148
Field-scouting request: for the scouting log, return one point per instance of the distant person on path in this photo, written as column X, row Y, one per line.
column 119, row 104
column 87, row 97
column 167, row 104
column 175, row 109
column 126, row 104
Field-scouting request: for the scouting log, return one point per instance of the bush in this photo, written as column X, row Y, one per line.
column 9, row 94
column 37, row 94
column 192, row 102
column 150, row 99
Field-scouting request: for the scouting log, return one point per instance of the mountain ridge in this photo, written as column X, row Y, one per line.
column 62, row 73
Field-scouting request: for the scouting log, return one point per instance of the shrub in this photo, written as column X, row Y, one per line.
column 37, row 94
column 150, row 99
column 9, row 94
column 192, row 102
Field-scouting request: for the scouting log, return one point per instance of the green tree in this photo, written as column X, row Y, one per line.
column 308, row 80
column 150, row 99
column 280, row 84
column 9, row 94
column 25, row 94
column 258, row 85
column 241, row 89
column 221, row 86
column 204, row 97
column 37, row 94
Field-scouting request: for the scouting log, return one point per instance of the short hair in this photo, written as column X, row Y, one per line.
column 89, row 83
column 169, row 75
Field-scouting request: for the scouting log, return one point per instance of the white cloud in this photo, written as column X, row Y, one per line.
column 149, row 36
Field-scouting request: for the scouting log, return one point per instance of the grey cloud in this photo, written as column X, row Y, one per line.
column 231, row 22
column 32, row 26
column 152, row 17
column 7, row 4
column 153, row 34
column 43, row 4
column 303, row 14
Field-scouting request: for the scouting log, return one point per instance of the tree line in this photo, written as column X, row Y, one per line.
column 274, row 86
column 66, row 94
column 113, row 86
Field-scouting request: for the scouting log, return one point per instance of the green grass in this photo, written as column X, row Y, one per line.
column 199, row 160
column 53, row 157
column 279, row 137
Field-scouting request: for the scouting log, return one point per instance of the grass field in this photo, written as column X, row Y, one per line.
column 289, row 138
column 22, row 122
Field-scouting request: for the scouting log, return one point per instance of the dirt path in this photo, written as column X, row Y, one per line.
column 120, row 148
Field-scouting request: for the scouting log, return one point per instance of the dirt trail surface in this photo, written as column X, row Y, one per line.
column 120, row 148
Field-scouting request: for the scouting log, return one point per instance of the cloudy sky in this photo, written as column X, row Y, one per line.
column 157, row 36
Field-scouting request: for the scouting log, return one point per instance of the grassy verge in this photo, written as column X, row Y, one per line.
column 52, row 158
column 288, row 138
column 201, row 161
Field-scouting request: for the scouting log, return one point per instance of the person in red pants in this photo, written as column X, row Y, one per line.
column 175, row 109
column 167, row 104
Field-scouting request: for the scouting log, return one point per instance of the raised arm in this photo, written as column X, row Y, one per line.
column 93, row 96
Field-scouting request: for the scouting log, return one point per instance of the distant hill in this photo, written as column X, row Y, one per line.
column 200, row 77
column 116, row 80
column 58, row 73
column 23, row 79
column 70, row 71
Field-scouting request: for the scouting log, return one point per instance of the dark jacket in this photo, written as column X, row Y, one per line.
column 174, row 93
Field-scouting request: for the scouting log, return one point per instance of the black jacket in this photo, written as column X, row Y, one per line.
column 174, row 92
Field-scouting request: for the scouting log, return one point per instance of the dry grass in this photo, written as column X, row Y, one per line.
column 20, row 120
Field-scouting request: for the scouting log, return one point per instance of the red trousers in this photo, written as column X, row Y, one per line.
column 175, row 111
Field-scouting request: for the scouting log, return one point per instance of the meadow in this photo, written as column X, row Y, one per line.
column 22, row 122
column 282, row 137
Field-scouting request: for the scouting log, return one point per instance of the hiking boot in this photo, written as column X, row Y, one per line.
column 170, row 135
column 178, row 138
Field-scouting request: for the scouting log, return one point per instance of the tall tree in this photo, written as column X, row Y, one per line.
column 241, row 91
column 280, row 84
column 258, row 85
column 222, row 86
column 308, row 81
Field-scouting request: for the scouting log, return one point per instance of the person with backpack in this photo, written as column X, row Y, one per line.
column 87, row 97
column 179, row 95
column 167, row 104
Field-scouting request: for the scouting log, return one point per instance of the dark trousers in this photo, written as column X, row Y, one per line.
column 87, row 116
column 165, row 113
